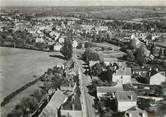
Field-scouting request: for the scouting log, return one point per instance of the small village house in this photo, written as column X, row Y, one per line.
column 103, row 90
column 75, row 44
column 157, row 79
column 57, row 47
column 125, row 100
column 135, row 112
column 122, row 75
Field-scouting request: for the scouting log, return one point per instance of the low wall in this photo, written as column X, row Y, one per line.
column 70, row 113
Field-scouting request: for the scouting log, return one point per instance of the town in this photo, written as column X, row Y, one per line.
column 89, row 67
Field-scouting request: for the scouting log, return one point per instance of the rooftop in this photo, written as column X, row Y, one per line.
column 161, row 44
column 158, row 75
column 123, row 71
column 105, row 89
column 126, row 96
column 136, row 112
column 56, row 101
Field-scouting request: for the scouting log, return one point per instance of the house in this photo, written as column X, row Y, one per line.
column 157, row 110
column 125, row 100
column 122, row 75
column 160, row 48
column 52, row 108
column 54, row 35
column 135, row 112
column 103, row 90
column 39, row 40
column 57, row 47
column 157, row 79
column 91, row 63
column 140, row 70
column 72, row 107
column 75, row 44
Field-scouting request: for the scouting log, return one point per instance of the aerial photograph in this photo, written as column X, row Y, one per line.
column 83, row 58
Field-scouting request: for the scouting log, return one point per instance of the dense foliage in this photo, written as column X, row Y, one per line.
column 67, row 49
column 90, row 55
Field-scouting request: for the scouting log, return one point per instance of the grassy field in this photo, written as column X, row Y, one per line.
column 19, row 66
column 17, row 99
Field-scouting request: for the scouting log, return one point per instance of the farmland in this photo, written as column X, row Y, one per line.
column 19, row 66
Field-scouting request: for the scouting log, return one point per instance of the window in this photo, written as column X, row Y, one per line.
column 141, row 114
column 127, row 115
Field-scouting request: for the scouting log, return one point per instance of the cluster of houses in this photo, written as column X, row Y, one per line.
column 50, row 34
column 126, row 92
column 66, row 100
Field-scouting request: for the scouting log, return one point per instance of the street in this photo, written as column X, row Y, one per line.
column 87, row 99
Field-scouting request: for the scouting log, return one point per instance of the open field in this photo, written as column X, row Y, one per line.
column 18, row 67
column 17, row 99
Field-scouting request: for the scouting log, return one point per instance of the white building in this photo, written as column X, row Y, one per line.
column 135, row 112
column 157, row 79
column 103, row 90
column 75, row 44
column 57, row 47
column 39, row 40
column 122, row 75
column 125, row 100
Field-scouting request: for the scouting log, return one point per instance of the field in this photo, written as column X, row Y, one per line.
column 19, row 66
column 106, row 12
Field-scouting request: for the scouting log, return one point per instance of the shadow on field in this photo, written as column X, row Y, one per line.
column 58, row 56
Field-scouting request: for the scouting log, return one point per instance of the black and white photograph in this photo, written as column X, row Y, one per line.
column 83, row 58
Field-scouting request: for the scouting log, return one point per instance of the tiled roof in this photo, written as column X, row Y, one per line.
column 56, row 101
column 161, row 44
column 105, row 89
column 123, row 71
column 126, row 96
column 158, row 75
column 136, row 112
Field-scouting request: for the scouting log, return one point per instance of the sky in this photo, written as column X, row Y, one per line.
column 82, row 2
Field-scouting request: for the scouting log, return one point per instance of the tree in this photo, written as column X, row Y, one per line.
column 109, row 73
column 160, row 53
column 165, row 53
column 96, row 69
column 17, row 112
column 90, row 55
column 130, row 55
column 38, row 94
column 67, row 49
column 140, row 55
column 88, row 45
column 29, row 104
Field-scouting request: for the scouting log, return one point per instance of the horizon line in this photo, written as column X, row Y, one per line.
column 87, row 6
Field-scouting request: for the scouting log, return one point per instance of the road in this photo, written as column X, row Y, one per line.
column 87, row 99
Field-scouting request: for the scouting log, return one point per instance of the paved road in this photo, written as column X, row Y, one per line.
column 87, row 99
